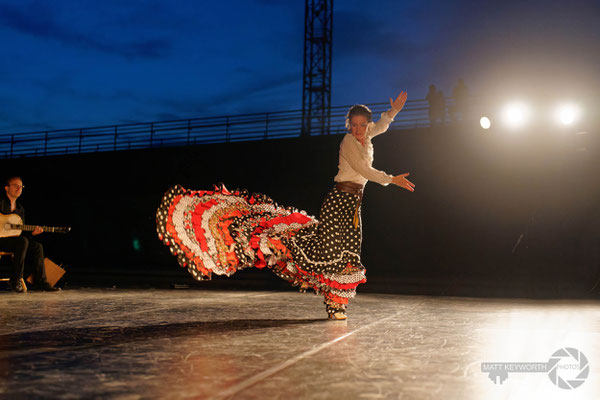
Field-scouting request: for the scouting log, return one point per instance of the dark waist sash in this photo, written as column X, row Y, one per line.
column 352, row 188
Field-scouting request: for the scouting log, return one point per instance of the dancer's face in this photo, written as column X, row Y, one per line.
column 358, row 127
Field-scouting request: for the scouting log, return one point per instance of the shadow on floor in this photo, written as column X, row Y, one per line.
column 61, row 339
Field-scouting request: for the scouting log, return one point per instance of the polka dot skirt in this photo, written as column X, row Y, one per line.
column 218, row 231
column 332, row 246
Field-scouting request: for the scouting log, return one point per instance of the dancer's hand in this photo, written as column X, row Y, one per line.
column 398, row 104
column 400, row 180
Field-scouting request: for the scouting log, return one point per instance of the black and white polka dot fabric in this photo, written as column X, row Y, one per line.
column 329, row 247
column 328, row 254
column 222, row 232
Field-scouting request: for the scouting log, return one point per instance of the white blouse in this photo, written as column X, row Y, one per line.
column 356, row 160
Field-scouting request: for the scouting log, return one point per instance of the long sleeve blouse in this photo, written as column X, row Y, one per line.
column 356, row 160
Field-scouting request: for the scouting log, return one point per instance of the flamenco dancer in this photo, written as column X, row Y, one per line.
column 220, row 231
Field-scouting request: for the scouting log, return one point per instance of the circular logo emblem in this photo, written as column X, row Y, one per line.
column 568, row 368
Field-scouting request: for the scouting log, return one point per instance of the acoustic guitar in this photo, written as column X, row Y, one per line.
column 12, row 225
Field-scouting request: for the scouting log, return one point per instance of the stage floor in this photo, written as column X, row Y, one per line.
column 172, row 344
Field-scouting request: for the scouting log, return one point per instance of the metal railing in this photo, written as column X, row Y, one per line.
column 234, row 128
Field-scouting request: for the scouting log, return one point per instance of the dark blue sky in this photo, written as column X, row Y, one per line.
column 81, row 63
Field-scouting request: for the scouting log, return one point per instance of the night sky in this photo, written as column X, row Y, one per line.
column 68, row 64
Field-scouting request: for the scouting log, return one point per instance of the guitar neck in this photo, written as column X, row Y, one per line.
column 31, row 228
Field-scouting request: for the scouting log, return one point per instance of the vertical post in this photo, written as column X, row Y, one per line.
column 151, row 133
column 267, row 126
column 227, row 130
column 189, row 131
column 115, row 139
column 316, row 85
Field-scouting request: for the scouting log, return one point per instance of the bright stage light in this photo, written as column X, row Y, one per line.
column 485, row 122
column 516, row 114
column 567, row 113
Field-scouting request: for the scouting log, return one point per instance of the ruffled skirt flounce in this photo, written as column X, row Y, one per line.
column 218, row 231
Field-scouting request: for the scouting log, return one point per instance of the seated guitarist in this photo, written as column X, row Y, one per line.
column 26, row 250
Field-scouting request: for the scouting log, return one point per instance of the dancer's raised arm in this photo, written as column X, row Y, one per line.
column 387, row 117
column 397, row 104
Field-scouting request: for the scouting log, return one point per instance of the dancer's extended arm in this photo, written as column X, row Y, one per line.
column 400, row 180
column 387, row 117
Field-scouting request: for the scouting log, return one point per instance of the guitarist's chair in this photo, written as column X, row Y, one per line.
column 2, row 279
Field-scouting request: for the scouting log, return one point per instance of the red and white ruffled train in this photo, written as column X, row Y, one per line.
column 221, row 232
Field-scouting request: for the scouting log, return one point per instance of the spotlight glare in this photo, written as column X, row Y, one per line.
column 485, row 122
column 567, row 114
column 516, row 114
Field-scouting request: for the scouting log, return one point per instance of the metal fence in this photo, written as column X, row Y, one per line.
column 235, row 128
